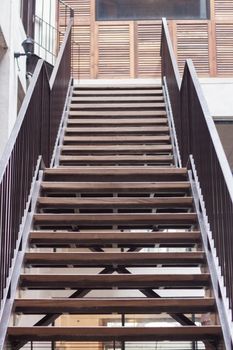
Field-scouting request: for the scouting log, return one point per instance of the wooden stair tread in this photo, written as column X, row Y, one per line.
column 117, row 158
column 125, row 92
column 106, row 259
column 116, row 202
column 116, row 173
column 116, row 305
column 125, row 113
column 117, row 139
column 118, row 170
column 113, row 237
column 109, row 159
column 96, row 99
column 118, row 130
column 127, row 219
column 115, row 86
column 117, row 148
column 124, row 281
column 188, row 333
column 119, row 187
column 119, row 105
column 123, row 121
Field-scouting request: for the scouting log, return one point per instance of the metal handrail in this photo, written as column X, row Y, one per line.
column 201, row 140
column 33, row 137
column 197, row 136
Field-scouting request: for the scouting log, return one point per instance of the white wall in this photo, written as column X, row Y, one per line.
column 219, row 95
column 13, row 33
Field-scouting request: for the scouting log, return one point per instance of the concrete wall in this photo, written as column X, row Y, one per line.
column 13, row 34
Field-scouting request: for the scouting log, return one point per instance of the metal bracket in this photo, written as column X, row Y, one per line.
column 219, row 289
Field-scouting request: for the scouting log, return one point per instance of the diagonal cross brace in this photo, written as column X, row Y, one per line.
column 179, row 317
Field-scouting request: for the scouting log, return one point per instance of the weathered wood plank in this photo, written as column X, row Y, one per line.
column 110, row 259
column 122, row 159
column 126, row 106
column 117, row 87
column 119, row 187
column 116, row 202
column 118, row 113
column 117, row 139
column 116, row 305
column 133, row 149
column 129, row 92
column 188, row 333
column 118, row 170
column 123, row 281
column 113, row 237
column 117, row 122
column 115, row 99
column 151, row 130
column 111, row 219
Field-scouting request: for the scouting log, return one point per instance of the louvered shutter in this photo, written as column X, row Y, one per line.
column 113, row 50
column 192, row 42
column 223, row 9
column 224, row 48
column 131, row 48
column 81, row 51
column 224, row 37
column 148, row 50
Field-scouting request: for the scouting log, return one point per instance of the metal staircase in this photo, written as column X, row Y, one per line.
column 116, row 214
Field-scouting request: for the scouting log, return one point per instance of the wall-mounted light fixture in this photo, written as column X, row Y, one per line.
column 28, row 46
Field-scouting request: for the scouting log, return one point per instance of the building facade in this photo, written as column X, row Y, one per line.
column 107, row 44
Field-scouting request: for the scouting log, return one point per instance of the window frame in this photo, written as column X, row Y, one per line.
column 100, row 18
